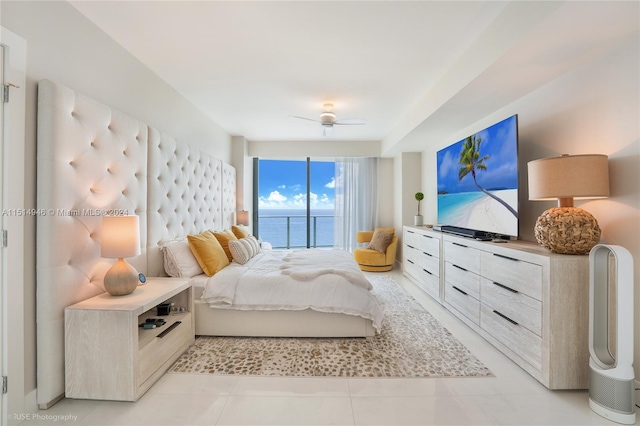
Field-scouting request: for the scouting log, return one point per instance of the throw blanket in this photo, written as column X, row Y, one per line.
column 305, row 265
column 261, row 284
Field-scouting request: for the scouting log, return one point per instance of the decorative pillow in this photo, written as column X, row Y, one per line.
column 380, row 241
column 208, row 252
column 240, row 231
column 179, row 261
column 223, row 238
column 244, row 249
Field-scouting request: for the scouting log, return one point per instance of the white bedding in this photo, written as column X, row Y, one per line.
column 321, row 280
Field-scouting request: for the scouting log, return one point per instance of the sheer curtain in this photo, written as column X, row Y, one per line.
column 356, row 199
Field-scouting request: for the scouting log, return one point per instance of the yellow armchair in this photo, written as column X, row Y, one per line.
column 373, row 260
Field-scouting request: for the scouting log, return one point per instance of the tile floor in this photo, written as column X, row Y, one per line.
column 512, row 397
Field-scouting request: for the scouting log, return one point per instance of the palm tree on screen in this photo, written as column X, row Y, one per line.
column 471, row 161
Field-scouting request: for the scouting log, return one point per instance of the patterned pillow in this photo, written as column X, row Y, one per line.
column 244, row 249
column 179, row 261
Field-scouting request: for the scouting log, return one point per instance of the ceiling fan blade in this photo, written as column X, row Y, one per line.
column 305, row 118
column 350, row 122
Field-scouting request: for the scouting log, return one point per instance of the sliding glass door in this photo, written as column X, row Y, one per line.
column 295, row 202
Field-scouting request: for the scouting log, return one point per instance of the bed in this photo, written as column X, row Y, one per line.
column 92, row 158
column 304, row 293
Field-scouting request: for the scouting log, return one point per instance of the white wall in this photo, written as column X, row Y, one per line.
column 65, row 47
column 595, row 109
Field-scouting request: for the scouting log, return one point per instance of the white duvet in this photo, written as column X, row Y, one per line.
column 322, row 280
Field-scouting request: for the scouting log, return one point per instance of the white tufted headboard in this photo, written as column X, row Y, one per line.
column 93, row 160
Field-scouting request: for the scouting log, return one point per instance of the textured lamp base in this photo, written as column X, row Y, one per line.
column 567, row 230
column 121, row 279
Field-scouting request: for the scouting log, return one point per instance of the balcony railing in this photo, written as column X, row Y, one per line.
column 290, row 231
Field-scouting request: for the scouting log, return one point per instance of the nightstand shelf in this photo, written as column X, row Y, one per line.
column 107, row 356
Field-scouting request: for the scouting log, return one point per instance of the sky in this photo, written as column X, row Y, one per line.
column 282, row 184
column 499, row 142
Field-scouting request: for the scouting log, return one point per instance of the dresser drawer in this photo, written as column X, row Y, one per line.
column 463, row 256
column 516, row 274
column 427, row 281
column 521, row 308
column 422, row 259
column 462, row 302
column 160, row 349
column 463, row 279
column 422, row 242
column 517, row 338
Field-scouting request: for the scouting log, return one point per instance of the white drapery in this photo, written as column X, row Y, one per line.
column 356, row 199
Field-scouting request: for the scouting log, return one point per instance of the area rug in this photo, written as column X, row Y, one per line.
column 412, row 343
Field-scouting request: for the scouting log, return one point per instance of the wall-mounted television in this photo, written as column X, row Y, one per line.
column 478, row 182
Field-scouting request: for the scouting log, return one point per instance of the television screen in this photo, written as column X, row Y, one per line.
column 478, row 180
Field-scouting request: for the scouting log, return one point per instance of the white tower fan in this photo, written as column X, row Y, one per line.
column 611, row 375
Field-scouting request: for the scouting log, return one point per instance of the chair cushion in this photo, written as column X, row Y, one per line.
column 380, row 241
column 365, row 256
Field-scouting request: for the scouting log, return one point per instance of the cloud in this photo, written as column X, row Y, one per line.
column 277, row 197
column 331, row 184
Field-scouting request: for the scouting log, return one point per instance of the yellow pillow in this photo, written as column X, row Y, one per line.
column 208, row 252
column 240, row 231
column 223, row 238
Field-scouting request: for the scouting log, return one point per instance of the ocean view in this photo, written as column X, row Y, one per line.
column 273, row 227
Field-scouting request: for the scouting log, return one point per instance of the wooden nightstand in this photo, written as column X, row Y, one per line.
column 107, row 356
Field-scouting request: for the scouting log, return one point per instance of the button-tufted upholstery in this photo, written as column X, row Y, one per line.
column 91, row 160
column 185, row 194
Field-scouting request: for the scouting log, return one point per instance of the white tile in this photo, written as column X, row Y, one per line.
column 366, row 387
column 447, row 410
column 554, row 408
column 259, row 410
column 159, row 409
column 291, row 386
column 211, row 384
column 67, row 411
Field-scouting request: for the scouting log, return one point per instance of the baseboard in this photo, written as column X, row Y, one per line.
column 637, row 393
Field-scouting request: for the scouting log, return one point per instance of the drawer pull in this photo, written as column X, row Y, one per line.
column 461, row 291
column 430, row 255
column 459, row 245
column 460, row 267
column 506, row 257
column 410, row 246
column 427, row 236
column 505, row 317
column 427, row 271
column 410, row 232
column 506, row 288
column 168, row 330
column 410, row 261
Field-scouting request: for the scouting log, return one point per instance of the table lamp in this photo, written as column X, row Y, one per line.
column 567, row 229
column 243, row 218
column 120, row 239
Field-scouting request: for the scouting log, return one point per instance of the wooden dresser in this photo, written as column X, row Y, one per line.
column 529, row 303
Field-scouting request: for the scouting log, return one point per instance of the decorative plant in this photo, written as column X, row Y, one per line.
column 419, row 196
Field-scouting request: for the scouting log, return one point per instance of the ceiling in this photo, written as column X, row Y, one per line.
column 404, row 67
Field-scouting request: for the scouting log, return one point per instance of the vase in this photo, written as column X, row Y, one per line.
column 417, row 220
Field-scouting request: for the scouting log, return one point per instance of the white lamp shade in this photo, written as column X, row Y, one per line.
column 242, row 217
column 569, row 176
column 120, row 236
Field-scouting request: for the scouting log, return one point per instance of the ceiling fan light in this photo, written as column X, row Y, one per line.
column 327, row 118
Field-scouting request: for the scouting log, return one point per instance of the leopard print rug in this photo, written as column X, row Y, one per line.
column 412, row 343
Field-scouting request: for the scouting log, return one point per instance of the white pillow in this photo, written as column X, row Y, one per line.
column 244, row 249
column 179, row 260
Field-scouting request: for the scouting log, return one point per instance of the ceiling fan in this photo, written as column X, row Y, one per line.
column 328, row 120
